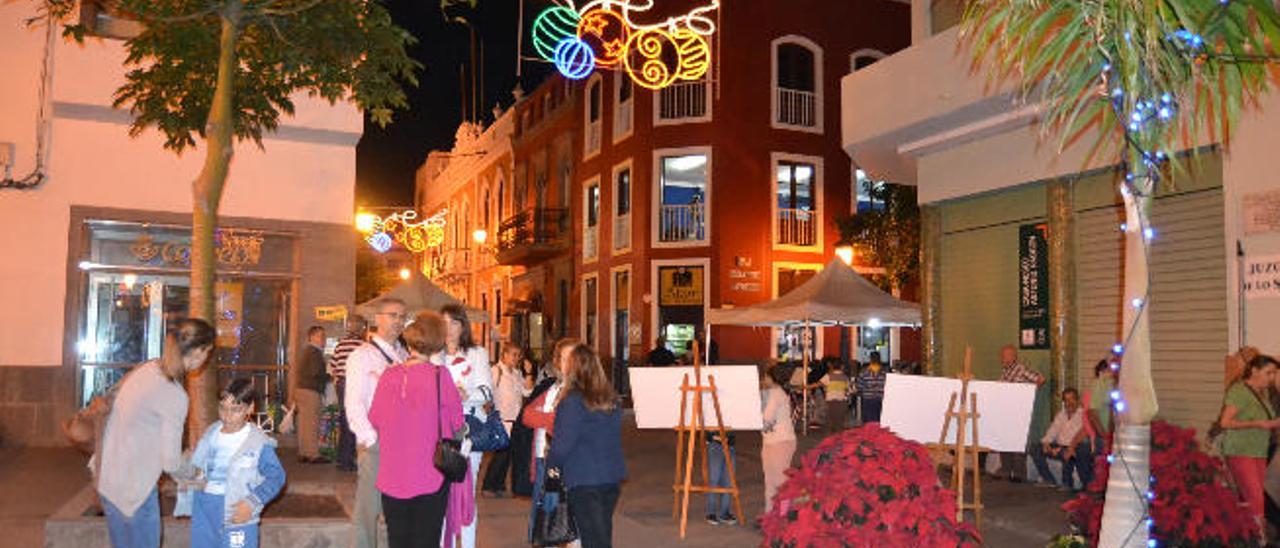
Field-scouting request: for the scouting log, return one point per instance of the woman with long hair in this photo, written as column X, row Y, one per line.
column 143, row 435
column 1248, row 419
column 468, row 364
column 587, row 446
column 540, row 415
column 414, row 404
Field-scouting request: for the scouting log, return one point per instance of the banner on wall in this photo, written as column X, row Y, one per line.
column 1033, row 286
column 1262, row 277
column 680, row 286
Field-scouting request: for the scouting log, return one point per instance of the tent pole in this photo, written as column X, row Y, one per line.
column 805, row 344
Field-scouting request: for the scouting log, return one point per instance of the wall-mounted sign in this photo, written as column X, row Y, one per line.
column 1262, row 212
column 1262, row 277
column 680, row 286
column 334, row 313
column 1033, row 286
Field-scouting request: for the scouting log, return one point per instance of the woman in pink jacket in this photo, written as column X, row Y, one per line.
column 415, row 403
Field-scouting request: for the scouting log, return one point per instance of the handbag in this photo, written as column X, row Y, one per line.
column 448, row 458
column 490, row 434
column 553, row 525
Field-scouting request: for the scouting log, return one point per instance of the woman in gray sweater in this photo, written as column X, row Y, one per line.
column 143, row 435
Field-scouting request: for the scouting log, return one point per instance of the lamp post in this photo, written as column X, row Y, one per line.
column 844, row 250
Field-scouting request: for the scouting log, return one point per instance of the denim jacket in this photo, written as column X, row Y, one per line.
column 254, row 474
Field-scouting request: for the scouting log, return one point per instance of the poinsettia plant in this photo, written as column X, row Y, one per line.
column 1193, row 506
column 865, row 487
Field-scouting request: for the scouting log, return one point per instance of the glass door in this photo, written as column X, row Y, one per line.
column 124, row 324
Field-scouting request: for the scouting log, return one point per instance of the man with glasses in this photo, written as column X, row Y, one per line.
column 364, row 366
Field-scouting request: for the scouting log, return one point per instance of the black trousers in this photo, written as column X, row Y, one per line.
column 592, row 507
column 520, row 455
column 346, row 438
column 495, row 476
column 415, row 522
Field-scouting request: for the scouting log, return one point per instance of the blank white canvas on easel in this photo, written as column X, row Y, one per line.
column 656, row 393
column 915, row 408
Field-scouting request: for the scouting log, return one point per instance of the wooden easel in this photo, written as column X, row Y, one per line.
column 689, row 439
column 964, row 451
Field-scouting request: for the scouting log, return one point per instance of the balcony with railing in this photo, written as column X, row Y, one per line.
column 450, row 265
column 797, row 108
column 622, row 232
column 797, row 227
column 590, row 243
column 533, row 235
column 593, row 138
column 683, row 101
column 682, row 223
column 622, row 121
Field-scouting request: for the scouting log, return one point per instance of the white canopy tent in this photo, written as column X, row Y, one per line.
column 419, row 295
column 836, row 296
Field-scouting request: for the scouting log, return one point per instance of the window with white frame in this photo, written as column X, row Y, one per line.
column 591, row 219
column 621, row 313
column 864, row 58
column 797, row 84
column 593, row 114
column 796, row 203
column 622, row 207
column 623, row 110
column 682, row 195
column 682, row 102
column 866, row 195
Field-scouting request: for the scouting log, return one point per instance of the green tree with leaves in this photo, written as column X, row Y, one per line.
column 888, row 235
column 221, row 71
column 1143, row 80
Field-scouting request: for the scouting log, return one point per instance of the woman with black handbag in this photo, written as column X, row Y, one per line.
column 415, row 408
column 587, row 446
column 468, row 364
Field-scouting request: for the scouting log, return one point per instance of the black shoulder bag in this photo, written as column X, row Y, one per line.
column 448, row 458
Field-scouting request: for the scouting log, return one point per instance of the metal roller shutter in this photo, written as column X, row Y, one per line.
column 1188, row 302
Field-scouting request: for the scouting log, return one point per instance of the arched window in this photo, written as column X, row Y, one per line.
column 864, row 58
column 797, row 84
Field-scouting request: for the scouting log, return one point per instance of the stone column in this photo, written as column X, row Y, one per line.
column 931, row 288
column 1062, row 287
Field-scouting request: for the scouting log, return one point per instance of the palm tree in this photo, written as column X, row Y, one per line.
column 1146, row 79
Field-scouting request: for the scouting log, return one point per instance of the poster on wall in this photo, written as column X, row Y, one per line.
column 1033, row 286
column 680, row 286
column 1261, row 212
column 230, row 306
column 1262, row 277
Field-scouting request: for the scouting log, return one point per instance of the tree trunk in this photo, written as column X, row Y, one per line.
column 1124, row 512
column 206, row 197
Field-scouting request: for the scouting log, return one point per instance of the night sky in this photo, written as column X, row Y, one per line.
column 387, row 158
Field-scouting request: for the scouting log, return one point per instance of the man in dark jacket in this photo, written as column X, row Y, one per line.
column 661, row 356
column 310, row 378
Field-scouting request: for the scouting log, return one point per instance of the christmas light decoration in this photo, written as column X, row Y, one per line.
column 404, row 228
column 603, row 33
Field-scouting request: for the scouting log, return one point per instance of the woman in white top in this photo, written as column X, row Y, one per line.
column 779, row 434
column 468, row 365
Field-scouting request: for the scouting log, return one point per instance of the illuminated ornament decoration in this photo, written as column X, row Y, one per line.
column 553, row 25
column 654, row 55
column 574, row 58
column 607, row 33
column 404, row 228
column 380, row 242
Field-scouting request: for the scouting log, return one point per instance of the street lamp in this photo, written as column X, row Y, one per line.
column 366, row 222
column 844, row 250
column 405, row 273
column 480, row 235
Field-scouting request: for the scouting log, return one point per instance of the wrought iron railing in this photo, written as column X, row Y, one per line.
column 533, row 226
column 797, row 227
column 682, row 223
column 683, row 100
column 797, row 108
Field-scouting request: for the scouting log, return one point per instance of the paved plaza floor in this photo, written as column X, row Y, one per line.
column 36, row 482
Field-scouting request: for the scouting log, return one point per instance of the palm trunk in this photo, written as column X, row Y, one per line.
column 1124, row 513
column 206, row 197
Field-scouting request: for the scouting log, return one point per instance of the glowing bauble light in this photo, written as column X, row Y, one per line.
column 380, row 242
column 695, row 55
column 574, row 58
column 553, row 25
column 648, row 59
column 607, row 33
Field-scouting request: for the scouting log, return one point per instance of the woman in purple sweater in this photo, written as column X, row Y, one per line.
column 414, row 404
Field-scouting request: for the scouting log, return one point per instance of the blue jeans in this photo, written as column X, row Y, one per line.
column 141, row 530
column 1082, row 463
column 209, row 529
column 539, row 477
column 718, row 504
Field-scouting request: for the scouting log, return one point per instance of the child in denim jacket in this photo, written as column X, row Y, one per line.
column 233, row 473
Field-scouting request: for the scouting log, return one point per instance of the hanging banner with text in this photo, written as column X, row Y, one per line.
column 1033, row 286
column 1262, row 277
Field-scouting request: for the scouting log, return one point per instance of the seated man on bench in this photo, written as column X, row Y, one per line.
column 1066, row 441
